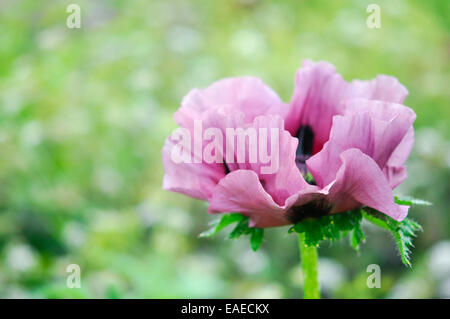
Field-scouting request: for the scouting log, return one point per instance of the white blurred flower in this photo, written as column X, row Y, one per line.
column 60, row 128
column 107, row 180
column 31, row 134
column 74, row 235
column 439, row 260
column 251, row 262
column 331, row 274
column 416, row 288
column 177, row 219
column 206, row 264
column 20, row 257
column 50, row 39
column 17, row 292
column 431, row 144
column 146, row 213
column 12, row 101
column 184, row 39
column 271, row 291
column 99, row 283
column 249, row 43
column 143, row 79
column 444, row 289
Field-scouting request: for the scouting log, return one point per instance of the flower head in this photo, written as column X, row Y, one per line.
column 335, row 147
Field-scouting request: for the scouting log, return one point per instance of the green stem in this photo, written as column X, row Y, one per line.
column 309, row 262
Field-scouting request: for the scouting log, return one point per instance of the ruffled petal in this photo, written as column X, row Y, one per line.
column 246, row 94
column 193, row 179
column 315, row 100
column 383, row 87
column 361, row 181
column 274, row 163
column 377, row 131
column 285, row 178
column 401, row 153
column 318, row 94
column 394, row 170
column 395, row 175
column 381, row 110
column 263, row 196
column 241, row 191
column 273, row 146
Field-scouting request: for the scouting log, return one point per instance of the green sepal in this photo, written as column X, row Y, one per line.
column 410, row 201
column 331, row 227
column 221, row 223
column 403, row 232
column 357, row 237
column 241, row 228
column 256, row 238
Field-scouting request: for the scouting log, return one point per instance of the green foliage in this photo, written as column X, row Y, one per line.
column 256, row 238
column 357, row 237
column 403, row 232
column 221, row 223
column 410, row 201
column 242, row 228
column 336, row 226
column 331, row 227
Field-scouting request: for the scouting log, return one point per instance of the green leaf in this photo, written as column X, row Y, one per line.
column 256, row 234
column 224, row 221
column 404, row 238
column 357, row 237
column 331, row 227
column 409, row 201
column 403, row 232
column 240, row 229
column 256, row 238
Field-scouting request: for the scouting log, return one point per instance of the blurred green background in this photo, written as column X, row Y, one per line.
column 84, row 114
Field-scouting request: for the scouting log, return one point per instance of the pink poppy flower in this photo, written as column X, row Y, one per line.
column 352, row 138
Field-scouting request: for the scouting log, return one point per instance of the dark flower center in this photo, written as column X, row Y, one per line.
column 317, row 207
column 305, row 137
column 227, row 169
column 314, row 209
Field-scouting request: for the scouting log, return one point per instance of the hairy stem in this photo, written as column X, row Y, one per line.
column 309, row 263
